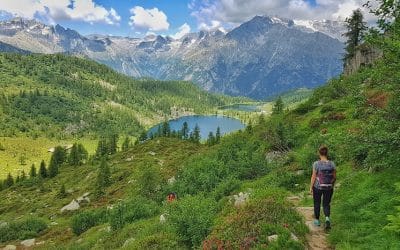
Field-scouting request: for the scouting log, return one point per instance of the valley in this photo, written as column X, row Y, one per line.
column 205, row 140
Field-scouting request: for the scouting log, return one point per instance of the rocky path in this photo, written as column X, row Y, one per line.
column 317, row 237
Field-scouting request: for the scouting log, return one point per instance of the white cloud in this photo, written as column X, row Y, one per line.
column 148, row 19
column 183, row 30
column 232, row 12
column 83, row 10
column 213, row 25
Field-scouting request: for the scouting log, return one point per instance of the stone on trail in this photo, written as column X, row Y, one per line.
column 28, row 242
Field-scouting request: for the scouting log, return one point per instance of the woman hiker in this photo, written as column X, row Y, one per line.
column 321, row 186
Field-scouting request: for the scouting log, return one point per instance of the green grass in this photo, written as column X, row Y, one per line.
column 31, row 151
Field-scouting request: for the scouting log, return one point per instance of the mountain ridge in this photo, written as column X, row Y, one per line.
column 259, row 58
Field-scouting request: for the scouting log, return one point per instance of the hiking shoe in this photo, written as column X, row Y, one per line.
column 317, row 223
column 327, row 225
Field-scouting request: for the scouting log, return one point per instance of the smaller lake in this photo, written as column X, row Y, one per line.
column 207, row 124
column 243, row 107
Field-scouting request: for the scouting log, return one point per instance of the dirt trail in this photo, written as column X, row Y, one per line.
column 317, row 237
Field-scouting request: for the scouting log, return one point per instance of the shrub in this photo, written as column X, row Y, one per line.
column 248, row 227
column 192, row 218
column 83, row 221
column 20, row 230
column 132, row 210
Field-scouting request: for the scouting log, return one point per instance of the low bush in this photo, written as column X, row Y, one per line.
column 192, row 218
column 20, row 230
column 83, row 221
column 132, row 210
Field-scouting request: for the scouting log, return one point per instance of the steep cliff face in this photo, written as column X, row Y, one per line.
column 364, row 56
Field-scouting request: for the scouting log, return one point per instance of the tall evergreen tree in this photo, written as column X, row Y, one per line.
column 210, row 139
column 42, row 170
column 83, row 153
column 356, row 28
column 103, row 178
column 56, row 160
column 185, row 131
column 196, row 134
column 278, row 106
column 23, row 176
column 218, row 135
column 166, row 129
column 9, row 181
column 113, row 144
column 126, row 144
column 62, row 193
column 143, row 136
column 32, row 172
column 101, row 148
column 73, row 157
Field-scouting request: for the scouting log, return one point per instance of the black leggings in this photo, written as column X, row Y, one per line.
column 326, row 201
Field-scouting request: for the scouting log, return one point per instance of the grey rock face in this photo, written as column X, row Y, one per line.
column 262, row 57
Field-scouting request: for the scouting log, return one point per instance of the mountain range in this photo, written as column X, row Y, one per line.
column 262, row 57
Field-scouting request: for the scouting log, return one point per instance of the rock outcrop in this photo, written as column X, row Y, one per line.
column 364, row 56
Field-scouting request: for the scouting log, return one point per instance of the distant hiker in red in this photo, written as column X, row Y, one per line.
column 322, row 181
column 171, row 197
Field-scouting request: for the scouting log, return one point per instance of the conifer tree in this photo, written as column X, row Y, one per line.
column 32, row 172
column 113, row 144
column 57, row 158
column 185, row 131
column 356, row 28
column 62, row 193
column 278, row 106
column 143, row 136
column 42, row 170
column 103, row 178
column 101, row 148
column 166, row 129
column 9, row 181
column 23, row 176
column 73, row 157
column 218, row 135
column 126, row 144
column 196, row 134
column 210, row 139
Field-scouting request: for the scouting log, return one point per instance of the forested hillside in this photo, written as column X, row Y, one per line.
column 59, row 95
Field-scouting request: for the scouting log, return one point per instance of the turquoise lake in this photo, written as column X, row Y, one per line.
column 207, row 124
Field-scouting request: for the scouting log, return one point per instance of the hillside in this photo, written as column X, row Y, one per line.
column 246, row 190
column 262, row 57
column 233, row 194
column 47, row 100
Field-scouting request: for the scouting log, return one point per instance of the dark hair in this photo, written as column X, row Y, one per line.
column 323, row 150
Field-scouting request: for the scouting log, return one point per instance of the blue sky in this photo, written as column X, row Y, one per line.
column 136, row 18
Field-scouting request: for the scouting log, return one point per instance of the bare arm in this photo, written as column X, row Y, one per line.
column 313, row 177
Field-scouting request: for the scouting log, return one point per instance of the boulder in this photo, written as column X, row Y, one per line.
column 171, row 180
column 9, row 247
column 152, row 153
column 72, row 206
column 163, row 219
column 273, row 237
column 294, row 237
column 128, row 241
column 300, row 172
column 240, row 199
column 28, row 242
